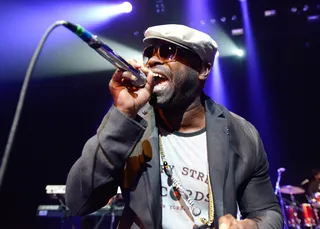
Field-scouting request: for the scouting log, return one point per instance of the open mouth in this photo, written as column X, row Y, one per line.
column 160, row 82
column 159, row 78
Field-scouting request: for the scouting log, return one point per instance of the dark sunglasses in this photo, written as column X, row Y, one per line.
column 167, row 52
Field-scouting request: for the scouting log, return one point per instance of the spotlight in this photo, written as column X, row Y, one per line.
column 212, row 21
column 160, row 6
column 126, row 7
column 223, row 19
column 313, row 18
column 234, row 17
column 294, row 9
column 305, row 8
column 136, row 33
column 269, row 13
column 237, row 32
column 239, row 52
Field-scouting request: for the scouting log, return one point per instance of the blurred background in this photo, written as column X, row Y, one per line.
column 266, row 72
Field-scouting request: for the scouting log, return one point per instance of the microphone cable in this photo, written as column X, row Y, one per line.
column 7, row 152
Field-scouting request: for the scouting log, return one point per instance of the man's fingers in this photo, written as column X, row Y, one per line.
column 150, row 80
column 145, row 92
column 238, row 226
column 226, row 221
column 116, row 77
column 128, row 75
column 122, row 82
column 134, row 63
column 247, row 223
column 121, row 77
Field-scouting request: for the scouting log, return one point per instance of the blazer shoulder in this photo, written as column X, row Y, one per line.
column 245, row 137
column 241, row 123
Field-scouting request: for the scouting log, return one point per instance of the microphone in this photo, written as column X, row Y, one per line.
column 105, row 51
column 280, row 170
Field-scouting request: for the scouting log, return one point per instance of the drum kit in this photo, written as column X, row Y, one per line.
column 300, row 215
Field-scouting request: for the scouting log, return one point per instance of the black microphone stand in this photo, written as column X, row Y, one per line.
column 278, row 193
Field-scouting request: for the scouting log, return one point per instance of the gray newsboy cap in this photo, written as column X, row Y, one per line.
column 186, row 37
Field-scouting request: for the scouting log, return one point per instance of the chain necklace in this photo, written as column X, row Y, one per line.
column 182, row 191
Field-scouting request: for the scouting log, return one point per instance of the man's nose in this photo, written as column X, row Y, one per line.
column 154, row 60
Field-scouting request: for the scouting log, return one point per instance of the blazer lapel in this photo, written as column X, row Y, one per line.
column 217, row 147
column 152, row 176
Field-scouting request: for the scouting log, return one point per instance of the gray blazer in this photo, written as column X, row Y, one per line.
column 124, row 153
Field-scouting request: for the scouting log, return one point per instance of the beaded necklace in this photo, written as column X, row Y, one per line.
column 182, row 191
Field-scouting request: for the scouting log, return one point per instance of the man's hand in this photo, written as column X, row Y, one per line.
column 229, row 222
column 128, row 99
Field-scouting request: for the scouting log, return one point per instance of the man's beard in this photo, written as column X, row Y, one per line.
column 185, row 90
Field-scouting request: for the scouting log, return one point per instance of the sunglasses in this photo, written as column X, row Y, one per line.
column 167, row 52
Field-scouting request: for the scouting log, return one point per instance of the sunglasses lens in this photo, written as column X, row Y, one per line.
column 147, row 54
column 168, row 51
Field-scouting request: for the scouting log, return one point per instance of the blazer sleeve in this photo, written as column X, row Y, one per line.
column 95, row 176
column 257, row 200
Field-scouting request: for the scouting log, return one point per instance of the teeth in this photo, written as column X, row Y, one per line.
column 157, row 75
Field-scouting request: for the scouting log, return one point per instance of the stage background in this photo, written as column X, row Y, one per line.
column 62, row 111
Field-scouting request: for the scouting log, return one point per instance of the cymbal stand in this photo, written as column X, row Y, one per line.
column 278, row 193
column 294, row 203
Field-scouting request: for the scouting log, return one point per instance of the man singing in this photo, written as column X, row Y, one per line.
column 187, row 162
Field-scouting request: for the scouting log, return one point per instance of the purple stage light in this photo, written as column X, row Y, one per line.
column 294, row 9
column 237, row 32
column 212, row 21
column 126, row 7
column 314, row 18
column 33, row 21
column 269, row 13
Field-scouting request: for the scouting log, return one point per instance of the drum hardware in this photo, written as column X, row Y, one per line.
column 298, row 215
column 291, row 190
column 278, row 193
column 291, row 214
column 308, row 215
column 292, row 209
column 315, row 200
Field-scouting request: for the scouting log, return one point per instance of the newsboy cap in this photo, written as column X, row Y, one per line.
column 186, row 37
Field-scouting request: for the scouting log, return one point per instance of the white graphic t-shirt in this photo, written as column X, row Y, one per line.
column 186, row 154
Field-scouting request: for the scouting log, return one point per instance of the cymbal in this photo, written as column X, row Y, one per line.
column 289, row 189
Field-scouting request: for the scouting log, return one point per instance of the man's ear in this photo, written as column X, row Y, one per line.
column 205, row 72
